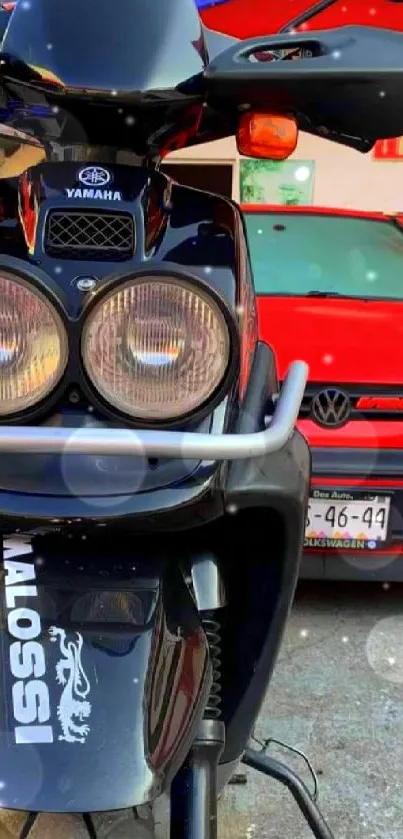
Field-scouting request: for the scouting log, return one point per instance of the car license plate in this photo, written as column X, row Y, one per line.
column 341, row 520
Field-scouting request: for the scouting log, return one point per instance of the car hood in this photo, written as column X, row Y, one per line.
column 347, row 341
column 249, row 18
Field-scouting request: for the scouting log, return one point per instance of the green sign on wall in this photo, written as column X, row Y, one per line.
column 276, row 181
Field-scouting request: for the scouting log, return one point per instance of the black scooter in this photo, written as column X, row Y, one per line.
column 153, row 487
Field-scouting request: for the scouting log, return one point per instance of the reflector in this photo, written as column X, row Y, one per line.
column 266, row 135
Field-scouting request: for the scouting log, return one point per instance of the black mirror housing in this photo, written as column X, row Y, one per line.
column 343, row 84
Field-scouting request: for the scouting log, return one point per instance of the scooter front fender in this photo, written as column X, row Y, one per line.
column 105, row 676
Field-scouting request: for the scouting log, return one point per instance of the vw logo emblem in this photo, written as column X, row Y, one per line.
column 94, row 176
column 331, row 407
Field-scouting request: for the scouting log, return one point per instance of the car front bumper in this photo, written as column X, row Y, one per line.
column 357, row 471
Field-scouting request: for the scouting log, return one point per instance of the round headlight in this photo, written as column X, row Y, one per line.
column 156, row 348
column 33, row 346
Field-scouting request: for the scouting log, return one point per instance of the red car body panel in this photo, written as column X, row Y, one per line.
column 249, row 18
column 334, row 336
column 360, row 434
column 317, row 211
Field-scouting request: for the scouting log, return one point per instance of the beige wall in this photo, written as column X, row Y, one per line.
column 343, row 177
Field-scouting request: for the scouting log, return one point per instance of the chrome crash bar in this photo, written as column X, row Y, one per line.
column 170, row 444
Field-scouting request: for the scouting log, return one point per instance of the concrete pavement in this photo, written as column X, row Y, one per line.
column 337, row 694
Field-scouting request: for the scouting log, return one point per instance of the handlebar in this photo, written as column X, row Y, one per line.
column 167, row 444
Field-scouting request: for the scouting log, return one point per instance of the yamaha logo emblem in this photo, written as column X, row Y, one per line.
column 331, row 408
column 93, row 180
column 95, row 176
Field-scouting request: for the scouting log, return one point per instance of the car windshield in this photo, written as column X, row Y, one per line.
column 301, row 254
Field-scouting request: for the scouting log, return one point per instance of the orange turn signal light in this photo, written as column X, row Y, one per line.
column 264, row 135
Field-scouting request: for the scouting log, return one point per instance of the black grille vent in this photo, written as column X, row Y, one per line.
column 90, row 235
column 381, row 402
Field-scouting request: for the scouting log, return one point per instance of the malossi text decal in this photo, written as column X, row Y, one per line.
column 34, row 668
column 30, row 693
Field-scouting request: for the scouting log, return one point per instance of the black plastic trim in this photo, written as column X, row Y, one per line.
column 380, row 463
column 331, row 98
column 273, row 491
column 262, row 385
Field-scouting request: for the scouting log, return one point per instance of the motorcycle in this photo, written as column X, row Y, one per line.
column 144, row 436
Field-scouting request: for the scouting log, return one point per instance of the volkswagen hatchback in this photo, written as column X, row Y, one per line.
column 330, row 290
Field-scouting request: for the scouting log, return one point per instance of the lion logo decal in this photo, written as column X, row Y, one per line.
column 74, row 706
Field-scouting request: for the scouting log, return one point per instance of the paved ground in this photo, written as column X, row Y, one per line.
column 337, row 694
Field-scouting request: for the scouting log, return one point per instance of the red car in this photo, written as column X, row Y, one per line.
column 330, row 290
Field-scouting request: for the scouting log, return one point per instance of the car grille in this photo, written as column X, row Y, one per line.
column 366, row 402
column 90, row 235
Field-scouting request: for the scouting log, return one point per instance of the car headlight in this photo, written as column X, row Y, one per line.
column 33, row 345
column 156, row 347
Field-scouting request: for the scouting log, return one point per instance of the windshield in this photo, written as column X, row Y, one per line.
column 294, row 253
column 99, row 45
